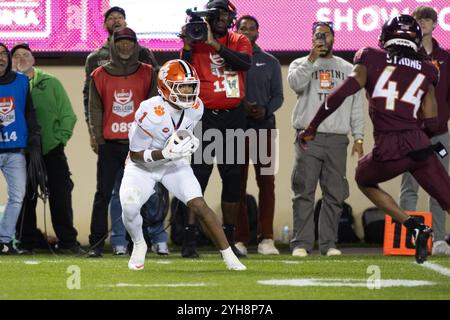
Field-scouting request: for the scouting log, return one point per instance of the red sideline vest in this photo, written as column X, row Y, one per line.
column 121, row 97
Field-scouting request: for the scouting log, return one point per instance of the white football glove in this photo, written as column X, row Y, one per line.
column 178, row 146
column 195, row 143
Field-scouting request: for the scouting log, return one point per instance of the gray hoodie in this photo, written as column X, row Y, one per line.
column 313, row 83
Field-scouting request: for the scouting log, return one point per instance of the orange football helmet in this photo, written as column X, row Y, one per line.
column 174, row 79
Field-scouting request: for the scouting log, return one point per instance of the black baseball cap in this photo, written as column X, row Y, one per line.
column 114, row 9
column 22, row 45
column 223, row 4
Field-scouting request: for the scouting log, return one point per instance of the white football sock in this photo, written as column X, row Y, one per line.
column 231, row 261
column 134, row 228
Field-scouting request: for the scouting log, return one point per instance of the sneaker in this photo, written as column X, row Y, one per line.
column 72, row 250
column 241, row 247
column 299, row 252
column 119, row 250
column 95, row 253
column 333, row 252
column 10, row 249
column 161, row 248
column 420, row 238
column 441, row 248
column 137, row 258
column 237, row 252
column 189, row 251
column 267, row 246
column 232, row 262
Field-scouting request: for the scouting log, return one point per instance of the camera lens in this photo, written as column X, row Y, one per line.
column 196, row 32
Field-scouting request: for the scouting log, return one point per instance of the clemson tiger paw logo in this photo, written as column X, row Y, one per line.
column 159, row 111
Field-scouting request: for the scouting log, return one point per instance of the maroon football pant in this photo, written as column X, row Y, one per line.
column 266, row 197
column 430, row 174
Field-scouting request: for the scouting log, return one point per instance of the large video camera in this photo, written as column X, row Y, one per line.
column 196, row 28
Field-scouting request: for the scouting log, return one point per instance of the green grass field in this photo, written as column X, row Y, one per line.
column 174, row 278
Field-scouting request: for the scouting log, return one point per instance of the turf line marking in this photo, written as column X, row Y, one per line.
column 435, row 267
column 170, row 285
column 343, row 282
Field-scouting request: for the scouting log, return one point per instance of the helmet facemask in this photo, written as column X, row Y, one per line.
column 178, row 97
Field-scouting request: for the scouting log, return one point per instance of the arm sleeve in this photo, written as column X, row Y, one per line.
column 357, row 115
column 87, row 81
column 95, row 113
column 276, row 89
column 299, row 74
column 66, row 115
column 349, row 86
column 30, row 115
column 238, row 61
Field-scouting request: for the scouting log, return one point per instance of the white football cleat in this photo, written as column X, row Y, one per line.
column 137, row 259
column 235, row 265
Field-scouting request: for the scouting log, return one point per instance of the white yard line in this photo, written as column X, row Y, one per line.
column 435, row 267
column 343, row 282
column 170, row 285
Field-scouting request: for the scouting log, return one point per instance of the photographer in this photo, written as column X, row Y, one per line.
column 220, row 61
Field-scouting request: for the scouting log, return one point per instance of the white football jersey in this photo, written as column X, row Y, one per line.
column 153, row 124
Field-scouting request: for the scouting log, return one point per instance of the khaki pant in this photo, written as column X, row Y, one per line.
column 324, row 162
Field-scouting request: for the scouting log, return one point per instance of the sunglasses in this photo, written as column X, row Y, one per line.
column 328, row 24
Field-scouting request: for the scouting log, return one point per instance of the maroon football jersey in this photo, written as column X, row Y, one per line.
column 395, row 88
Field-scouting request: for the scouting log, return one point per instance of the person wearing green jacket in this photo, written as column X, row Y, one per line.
column 57, row 119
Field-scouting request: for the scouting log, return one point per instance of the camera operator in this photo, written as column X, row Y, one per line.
column 221, row 62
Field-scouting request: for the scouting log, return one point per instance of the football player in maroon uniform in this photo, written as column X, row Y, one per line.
column 400, row 84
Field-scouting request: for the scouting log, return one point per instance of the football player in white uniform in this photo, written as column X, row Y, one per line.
column 161, row 142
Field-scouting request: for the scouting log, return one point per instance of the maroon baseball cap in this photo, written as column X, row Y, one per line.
column 125, row 33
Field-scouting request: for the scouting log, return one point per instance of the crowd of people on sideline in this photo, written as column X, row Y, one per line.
column 156, row 129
